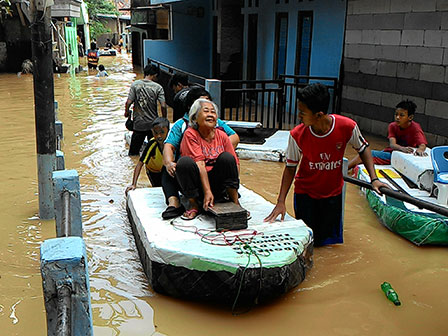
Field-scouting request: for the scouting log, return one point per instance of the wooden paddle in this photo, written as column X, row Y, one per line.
column 401, row 196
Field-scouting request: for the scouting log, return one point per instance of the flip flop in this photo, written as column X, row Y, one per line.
column 190, row 214
column 172, row 212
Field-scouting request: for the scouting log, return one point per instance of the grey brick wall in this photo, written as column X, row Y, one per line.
column 395, row 50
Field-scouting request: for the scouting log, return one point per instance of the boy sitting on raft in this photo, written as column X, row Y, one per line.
column 152, row 155
column 317, row 147
column 405, row 135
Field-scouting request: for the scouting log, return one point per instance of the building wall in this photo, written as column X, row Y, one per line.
column 63, row 8
column 327, row 35
column 191, row 44
column 194, row 35
column 395, row 50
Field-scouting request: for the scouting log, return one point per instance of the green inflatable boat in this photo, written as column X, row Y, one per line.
column 420, row 226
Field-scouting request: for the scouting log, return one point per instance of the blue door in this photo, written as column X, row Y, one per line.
column 281, row 44
column 304, row 38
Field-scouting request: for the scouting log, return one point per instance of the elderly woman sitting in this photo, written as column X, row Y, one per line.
column 208, row 167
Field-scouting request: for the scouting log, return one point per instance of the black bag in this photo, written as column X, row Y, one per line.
column 130, row 123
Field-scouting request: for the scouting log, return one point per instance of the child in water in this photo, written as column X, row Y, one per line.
column 102, row 71
column 152, row 155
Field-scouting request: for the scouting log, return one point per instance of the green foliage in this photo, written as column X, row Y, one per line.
column 5, row 9
column 100, row 7
column 97, row 28
column 96, row 7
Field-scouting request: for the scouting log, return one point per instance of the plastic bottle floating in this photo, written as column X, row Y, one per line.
column 390, row 293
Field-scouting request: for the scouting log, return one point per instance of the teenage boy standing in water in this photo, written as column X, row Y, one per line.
column 317, row 146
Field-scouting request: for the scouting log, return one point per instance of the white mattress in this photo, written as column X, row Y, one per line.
column 175, row 242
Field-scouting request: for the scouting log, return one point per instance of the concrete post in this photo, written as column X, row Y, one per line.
column 56, row 110
column 213, row 86
column 59, row 131
column 42, row 54
column 67, row 180
column 63, row 265
column 60, row 160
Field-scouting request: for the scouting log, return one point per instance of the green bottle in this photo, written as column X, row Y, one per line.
column 390, row 293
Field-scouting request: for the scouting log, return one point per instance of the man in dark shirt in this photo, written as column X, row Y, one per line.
column 179, row 84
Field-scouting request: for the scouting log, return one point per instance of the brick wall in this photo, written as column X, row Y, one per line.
column 395, row 50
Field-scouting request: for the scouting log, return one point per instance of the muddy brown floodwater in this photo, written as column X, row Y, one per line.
column 340, row 296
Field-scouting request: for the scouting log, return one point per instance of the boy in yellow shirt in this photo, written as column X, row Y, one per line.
column 152, row 155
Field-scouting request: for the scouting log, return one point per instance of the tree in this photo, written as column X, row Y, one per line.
column 5, row 9
column 99, row 7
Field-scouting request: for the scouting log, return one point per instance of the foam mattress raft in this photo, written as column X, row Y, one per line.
column 420, row 226
column 191, row 260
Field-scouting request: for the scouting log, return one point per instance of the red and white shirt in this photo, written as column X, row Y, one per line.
column 320, row 156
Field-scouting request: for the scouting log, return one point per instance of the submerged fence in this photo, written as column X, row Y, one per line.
column 63, row 260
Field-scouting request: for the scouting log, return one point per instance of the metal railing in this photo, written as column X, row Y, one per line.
column 253, row 100
column 66, row 217
column 271, row 102
column 193, row 78
column 64, row 290
column 64, row 322
column 292, row 84
column 166, row 72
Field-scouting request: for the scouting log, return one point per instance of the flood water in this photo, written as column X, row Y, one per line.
column 340, row 296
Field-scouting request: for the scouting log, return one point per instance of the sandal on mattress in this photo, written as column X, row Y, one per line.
column 190, row 214
column 172, row 212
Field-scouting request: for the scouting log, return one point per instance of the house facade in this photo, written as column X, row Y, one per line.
column 252, row 39
column 117, row 28
column 381, row 51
